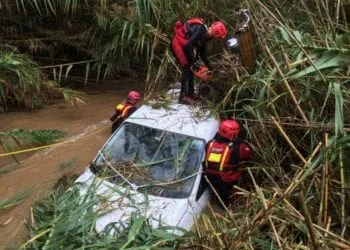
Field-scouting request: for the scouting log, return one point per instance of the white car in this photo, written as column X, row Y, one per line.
column 152, row 166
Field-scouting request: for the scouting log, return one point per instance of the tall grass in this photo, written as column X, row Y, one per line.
column 295, row 192
column 14, row 200
column 19, row 138
column 66, row 219
column 20, row 82
column 35, row 33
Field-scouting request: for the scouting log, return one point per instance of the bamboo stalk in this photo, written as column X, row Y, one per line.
column 338, row 245
column 294, row 183
column 32, row 216
column 260, row 217
column 337, row 237
column 322, row 214
column 298, row 246
column 328, row 226
column 217, row 236
column 148, row 76
column 326, row 12
column 321, row 20
column 344, row 14
column 42, row 233
column 308, row 221
column 228, row 95
column 221, row 202
column 286, row 60
column 326, row 183
column 297, row 125
column 293, row 38
column 287, row 85
column 324, row 230
column 199, row 235
column 337, row 14
column 295, row 211
column 265, row 206
column 6, row 222
column 312, row 21
column 65, row 64
column 296, row 180
column 342, row 193
column 288, row 139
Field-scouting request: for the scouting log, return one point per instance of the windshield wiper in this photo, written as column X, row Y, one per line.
column 132, row 185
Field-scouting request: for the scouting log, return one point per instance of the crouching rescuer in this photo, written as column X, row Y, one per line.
column 224, row 159
column 188, row 36
column 125, row 109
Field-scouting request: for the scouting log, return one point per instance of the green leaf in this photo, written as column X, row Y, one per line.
column 298, row 36
column 284, row 34
column 70, row 66
column 60, row 73
column 136, row 226
column 87, row 70
column 327, row 60
column 339, row 112
column 14, row 200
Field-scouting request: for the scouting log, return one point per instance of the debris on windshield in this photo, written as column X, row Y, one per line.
column 158, row 162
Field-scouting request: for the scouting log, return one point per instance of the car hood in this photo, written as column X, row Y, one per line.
column 119, row 203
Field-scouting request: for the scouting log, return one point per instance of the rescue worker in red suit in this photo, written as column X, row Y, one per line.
column 224, row 157
column 193, row 34
column 125, row 109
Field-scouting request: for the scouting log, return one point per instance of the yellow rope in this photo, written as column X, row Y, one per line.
column 53, row 144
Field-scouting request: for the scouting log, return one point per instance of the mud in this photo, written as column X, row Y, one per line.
column 86, row 129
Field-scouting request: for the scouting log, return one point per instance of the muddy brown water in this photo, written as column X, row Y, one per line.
column 87, row 128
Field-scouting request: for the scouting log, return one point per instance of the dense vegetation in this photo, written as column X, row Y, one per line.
column 295, row 106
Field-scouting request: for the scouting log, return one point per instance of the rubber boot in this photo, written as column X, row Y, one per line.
column 187, row 87
column 184, row 97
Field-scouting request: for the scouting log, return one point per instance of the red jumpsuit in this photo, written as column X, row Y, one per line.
column 193, row 34
column 223, row 164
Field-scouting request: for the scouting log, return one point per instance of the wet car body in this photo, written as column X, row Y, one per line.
column 152, row 166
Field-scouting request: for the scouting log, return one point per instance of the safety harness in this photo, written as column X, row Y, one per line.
column 220, row 161
column 123, row 109
column 218, row 156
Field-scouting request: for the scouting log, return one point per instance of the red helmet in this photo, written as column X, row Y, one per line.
column 229, row 129
column 219, row 29
column 133, row 97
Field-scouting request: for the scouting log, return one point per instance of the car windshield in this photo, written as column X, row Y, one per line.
column 156, row 162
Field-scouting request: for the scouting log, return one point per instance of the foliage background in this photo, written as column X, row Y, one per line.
column 295, row 106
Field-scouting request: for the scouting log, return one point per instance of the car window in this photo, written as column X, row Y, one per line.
column 157, row 162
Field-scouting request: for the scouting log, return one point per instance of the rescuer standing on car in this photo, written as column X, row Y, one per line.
column 125, row 109
column 193, row 34
column 224, row 156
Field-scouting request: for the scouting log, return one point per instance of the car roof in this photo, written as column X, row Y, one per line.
column 178, row 118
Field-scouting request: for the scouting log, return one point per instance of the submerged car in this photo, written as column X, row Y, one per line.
column 152, row 166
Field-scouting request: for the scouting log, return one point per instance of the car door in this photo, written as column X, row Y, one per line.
column 196, row 203
column 202, row 196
